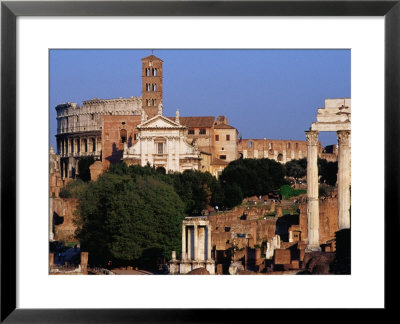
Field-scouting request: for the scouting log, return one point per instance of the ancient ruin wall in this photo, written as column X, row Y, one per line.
column 63, row 210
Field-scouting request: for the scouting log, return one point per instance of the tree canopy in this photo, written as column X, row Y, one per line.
column 254, row 176
column 296, row 168
column 129, row 220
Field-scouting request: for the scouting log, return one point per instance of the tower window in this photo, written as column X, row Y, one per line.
column 123, row 135
column 228, row 137
column 154, row 101
column 250, row 144
column 147, row 73
column 92, row 115
column 154, row 87
column 202, row 131
column 155, row 72
column 148, row 87
column 287, row 145
column 222, row 157
column 270, row 146
column 217, row 137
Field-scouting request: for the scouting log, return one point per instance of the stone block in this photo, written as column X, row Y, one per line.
column 295, row 264
column 282, row 256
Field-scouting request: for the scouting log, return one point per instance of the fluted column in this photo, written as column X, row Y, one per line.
column 183, row 242
column 196, row 242
column 344, row 179
column 312, row 191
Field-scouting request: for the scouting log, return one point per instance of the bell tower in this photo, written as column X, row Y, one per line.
column 151, row 84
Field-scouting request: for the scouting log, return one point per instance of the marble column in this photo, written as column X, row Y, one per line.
column 196, row 242
column 344, row 179
column 312, row 192
column 184, row 242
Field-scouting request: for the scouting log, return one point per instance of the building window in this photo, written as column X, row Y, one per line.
column 147, row 72
column 155, row 72
column 296, row 145
column 250, row 144
column 135, row 136
column 92, row 116
column 228, row 137
column 191, row 131
column 93, row 145
column 154, row 87
column 270, row 146
column 202, row 131
column 78, row 147
column 159, row 148
column 154, row 102
column 217, row 137
column 86, row 147
column 287, row 145
column 123, row 135
column 222, row 157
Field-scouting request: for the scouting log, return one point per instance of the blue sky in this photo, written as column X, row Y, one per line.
column 264, row 93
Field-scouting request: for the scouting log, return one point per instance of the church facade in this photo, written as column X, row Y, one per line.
column 162, row 143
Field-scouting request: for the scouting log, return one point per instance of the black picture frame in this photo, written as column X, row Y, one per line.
column 10, row 10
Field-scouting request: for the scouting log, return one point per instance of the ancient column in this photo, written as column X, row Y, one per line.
column 196, row 242
column 184, row 242
column 312, row 191
column 344, row 179
column 208, row 242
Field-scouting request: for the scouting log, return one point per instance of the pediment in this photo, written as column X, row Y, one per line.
column 159, row 121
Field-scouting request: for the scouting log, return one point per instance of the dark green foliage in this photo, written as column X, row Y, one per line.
column 233, row 195
column 327, row 171
column 197, row 190
column 73, row 189
column 83, row 167
column 127, row 219
column 296, row 168
column 287, row 191
column 254, row 176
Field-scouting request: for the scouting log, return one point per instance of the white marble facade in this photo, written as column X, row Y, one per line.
column 162, row 143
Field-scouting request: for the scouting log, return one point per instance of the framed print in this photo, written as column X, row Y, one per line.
column 34, row 33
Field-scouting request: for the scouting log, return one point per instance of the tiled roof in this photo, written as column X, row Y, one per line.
column 224, row 126
column 202, row 121
column 216, row 161
column 152, row 57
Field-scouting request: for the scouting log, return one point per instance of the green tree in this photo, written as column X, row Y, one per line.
column 327, row 171
column 254, row 176
column 129, row 220
column 296, row 168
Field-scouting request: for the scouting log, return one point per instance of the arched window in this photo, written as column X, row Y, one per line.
column 287, row 145
column 280, row 157
column 154, row 102
column 155, row 72
column 154, row 87
column 123, row 135
column 250, row 144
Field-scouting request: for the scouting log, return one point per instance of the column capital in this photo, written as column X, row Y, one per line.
column 343, row 137
column 312, row 137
